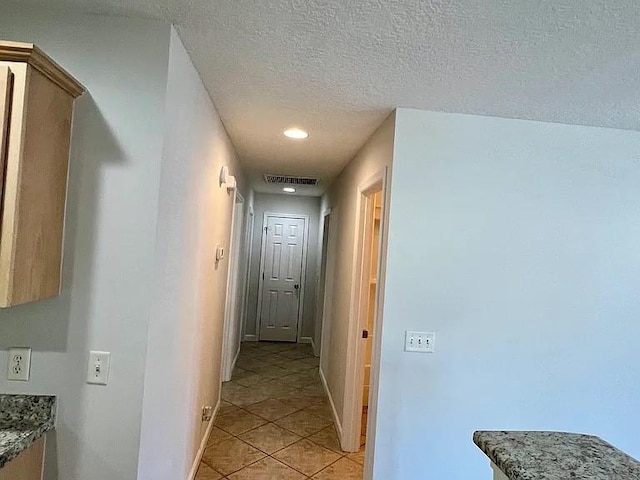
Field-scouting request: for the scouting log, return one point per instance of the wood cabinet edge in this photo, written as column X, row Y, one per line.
column 32, row 55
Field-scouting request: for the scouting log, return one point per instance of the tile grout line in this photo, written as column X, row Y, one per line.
column 261, row 362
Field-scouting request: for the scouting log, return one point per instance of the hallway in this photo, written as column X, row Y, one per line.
column 275, row 422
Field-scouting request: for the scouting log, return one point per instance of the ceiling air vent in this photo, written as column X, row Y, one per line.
column 283, row 179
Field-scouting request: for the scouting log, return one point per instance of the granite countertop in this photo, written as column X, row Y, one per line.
column 556, row 456
column 23, row 420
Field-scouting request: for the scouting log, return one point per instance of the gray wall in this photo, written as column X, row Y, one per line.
column 290, row 204
column 109, row 261
column 342, row 198
column 517, row 243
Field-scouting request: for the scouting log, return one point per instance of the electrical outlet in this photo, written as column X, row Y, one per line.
column 98, row 369
column 422, row 342
column 207, row 413
column 19, row 364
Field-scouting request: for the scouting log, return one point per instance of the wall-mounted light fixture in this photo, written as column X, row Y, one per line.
column 232, row 184
column 224, row 175
column 227, row 180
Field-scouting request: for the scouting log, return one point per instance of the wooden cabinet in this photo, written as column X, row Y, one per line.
column 26, row 466
column 36, row 106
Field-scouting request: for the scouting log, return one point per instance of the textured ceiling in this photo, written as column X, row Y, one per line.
column 338, row 67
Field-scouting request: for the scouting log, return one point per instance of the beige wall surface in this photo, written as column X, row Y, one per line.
column 109, row 242
column 288, row 204
column 374, row 156
column 185, row 333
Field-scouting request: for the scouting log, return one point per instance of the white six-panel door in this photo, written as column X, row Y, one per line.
column 282, row 267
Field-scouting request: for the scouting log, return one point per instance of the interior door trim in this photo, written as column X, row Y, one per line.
column 352, row 412
column 303, row 273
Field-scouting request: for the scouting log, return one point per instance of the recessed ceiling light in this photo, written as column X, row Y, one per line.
column 289, row 190
column 295, row 133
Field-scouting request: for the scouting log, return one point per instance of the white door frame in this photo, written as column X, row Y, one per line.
column 359, row 307
column 303, row 274
column 229, row 350
column 328, row 283
column 248, row 241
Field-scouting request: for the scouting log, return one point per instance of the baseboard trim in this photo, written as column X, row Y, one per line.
column 250, row 338
column 336, row 419
column 306, row 340
column 203, row 445
column 313, row 346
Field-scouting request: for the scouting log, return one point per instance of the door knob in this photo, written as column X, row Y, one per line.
column 296, row 286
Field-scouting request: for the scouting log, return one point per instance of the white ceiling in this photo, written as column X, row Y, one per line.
column 338, row 67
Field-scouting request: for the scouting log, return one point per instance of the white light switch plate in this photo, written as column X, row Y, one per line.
column 423, row 342
column 19, row 364
column 98, row 370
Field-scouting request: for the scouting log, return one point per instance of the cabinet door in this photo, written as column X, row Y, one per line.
column 5, row 101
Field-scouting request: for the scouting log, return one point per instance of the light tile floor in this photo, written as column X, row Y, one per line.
column 275, row 423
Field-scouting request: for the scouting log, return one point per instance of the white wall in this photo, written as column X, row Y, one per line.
column 185, row 334
column 109, row 244
column 342, row 198
column 517, row 243
column 288, row 204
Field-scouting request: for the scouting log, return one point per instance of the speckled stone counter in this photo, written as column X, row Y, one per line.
column 23, row 420
column 556, row 456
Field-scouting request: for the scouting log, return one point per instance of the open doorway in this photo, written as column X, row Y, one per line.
column 322, row 284
column 235, row 290
column 366, row 319
column 373, row 237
